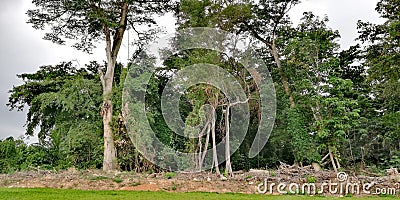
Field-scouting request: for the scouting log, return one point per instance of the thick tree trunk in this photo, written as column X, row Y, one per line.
column 109, row 161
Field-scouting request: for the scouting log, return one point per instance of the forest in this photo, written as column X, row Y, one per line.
column 335, row 108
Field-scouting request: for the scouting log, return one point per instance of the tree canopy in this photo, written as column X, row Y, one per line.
column 336, row 108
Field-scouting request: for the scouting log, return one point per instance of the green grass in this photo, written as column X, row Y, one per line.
column 40, row 193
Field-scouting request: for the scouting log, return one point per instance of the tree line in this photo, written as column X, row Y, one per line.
column 335, row 108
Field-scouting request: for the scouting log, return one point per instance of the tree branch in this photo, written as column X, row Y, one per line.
column 101, row 74
column 256, row 35
column 121, row 30
column 106, row 31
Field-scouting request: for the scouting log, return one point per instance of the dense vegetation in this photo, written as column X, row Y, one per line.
column 338, row 108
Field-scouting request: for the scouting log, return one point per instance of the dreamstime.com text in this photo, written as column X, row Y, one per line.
column 342, row 187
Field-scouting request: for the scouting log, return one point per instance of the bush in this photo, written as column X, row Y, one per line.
column 170, row 175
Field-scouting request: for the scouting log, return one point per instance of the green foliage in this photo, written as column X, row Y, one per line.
column 12, row 155
column 304, row 147
column 87, row 22
column 118, row 180
column 345, row 101
column 64, row 102
column 173, row 187
column 395, row 161
column 340, row 114
column 273, row 173
column 15, row 155
column 311, row 179
column 248, row 177
column 382, row 54
column 197, row 12
column 39, row 90
column 170, row 175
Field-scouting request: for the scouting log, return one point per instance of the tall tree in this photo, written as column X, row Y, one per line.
column 89, row 21
column 382, row 53
column 381, row 56
column 208, row 13
column 313, row 58
column 269, row 20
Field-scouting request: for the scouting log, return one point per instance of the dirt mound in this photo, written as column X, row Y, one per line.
column 242, row 182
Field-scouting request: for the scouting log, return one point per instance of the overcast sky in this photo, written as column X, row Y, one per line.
column 23, row 50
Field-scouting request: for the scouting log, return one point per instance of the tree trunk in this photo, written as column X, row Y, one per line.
column 214, row 148
column 109, row 160
column 200, row 146
column 203, row 154
column 198, row 156
column 227, row 144
column 337, row 162
column 284, row 79
column 112, row 48
column 332, row 159
column 270, row 43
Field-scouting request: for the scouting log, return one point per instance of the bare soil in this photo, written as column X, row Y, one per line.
column 242, row 182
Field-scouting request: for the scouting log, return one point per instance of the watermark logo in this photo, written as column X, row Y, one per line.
column 342, row 186
column 151, row 64
column 342, row 176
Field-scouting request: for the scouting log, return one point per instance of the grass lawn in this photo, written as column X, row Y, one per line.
column 39, row 193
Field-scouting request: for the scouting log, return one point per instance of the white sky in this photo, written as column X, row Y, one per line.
column 23, row 50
